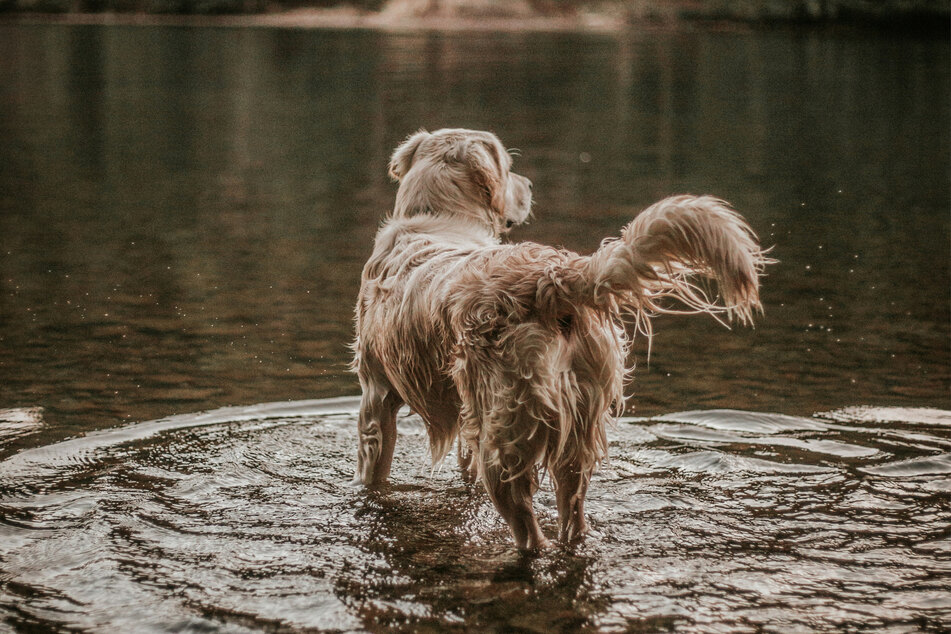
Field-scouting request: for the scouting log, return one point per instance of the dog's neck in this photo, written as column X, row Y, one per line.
column 441, row 197
column 448, row 229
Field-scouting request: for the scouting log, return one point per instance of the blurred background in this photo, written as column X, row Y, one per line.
column 891, row 11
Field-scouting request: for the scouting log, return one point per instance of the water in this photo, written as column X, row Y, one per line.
column 242, row 518
column 183, row 218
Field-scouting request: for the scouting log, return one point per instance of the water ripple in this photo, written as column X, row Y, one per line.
column 242, row 519
column 19, row 421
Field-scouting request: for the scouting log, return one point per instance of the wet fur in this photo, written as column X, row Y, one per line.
column 519, row 350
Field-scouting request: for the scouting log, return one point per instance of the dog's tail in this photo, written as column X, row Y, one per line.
column 668, row 251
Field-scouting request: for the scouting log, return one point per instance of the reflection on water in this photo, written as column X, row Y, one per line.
column 184, row 213
column 183, row 219
column 241, row 518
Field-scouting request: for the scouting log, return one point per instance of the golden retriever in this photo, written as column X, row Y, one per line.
column 519, row 350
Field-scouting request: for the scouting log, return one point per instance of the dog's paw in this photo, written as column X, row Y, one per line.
column 573, row 534
column 535, row 545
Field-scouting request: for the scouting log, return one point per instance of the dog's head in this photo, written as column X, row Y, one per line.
column 462, row 172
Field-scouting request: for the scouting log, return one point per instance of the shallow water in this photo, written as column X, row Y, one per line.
column 242, row 518
column 183, row 218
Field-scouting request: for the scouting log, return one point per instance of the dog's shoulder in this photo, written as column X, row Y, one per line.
column 404, row 244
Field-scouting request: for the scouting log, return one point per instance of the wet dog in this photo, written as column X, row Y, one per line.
column 519, row 350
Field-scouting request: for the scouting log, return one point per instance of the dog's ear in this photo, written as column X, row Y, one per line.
column 487, row 172
column 402, row 158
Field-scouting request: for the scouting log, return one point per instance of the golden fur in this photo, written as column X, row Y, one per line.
column 519, row 350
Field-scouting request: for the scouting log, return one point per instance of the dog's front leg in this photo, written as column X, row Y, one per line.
column 467, row 462
column 571, row 486
column 512, row 497
column 376, row 429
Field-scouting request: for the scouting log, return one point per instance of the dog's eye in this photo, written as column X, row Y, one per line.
column 509, row 223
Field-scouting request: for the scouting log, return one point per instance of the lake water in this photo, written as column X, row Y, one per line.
column 184, row 214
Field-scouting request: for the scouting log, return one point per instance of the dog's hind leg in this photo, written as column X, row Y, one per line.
column 376, row 428
column 512, row 497
column 571, row 485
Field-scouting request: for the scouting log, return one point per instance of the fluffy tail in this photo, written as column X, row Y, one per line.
column 667, row 252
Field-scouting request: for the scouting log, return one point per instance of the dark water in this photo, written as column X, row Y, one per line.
column 183, row 218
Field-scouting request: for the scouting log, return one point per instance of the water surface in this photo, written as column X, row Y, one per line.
column 183, row 218
column 241, row 519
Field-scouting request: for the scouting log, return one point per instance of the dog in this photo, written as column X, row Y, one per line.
column 519, row 351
